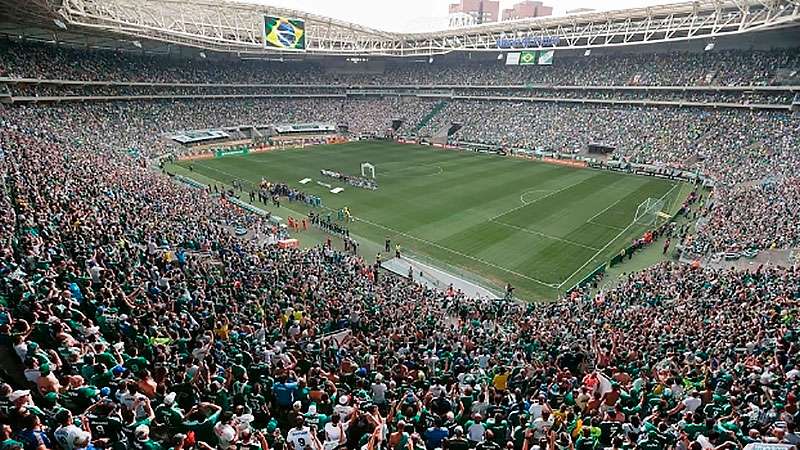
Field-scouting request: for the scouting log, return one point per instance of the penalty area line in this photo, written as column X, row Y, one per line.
column 604, row 210
column 545, row 235
column 614, row 239
column 491, row 219
column 456, row 252
column 425, row 241
column 610, row 227
column 529, row 191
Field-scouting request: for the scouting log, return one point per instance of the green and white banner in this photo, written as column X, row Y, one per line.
column 530, row 58
column 546, row 57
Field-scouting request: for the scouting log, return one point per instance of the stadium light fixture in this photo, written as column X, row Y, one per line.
column 60, row 24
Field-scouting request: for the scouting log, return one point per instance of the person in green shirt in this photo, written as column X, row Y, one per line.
column 313, row 418
column 498, row 427
column 586, row 441
column 6, row 443
column 693, row 425
column 653, row 441
column 168, row 414
column 201, row 419
column 518, row 432
column 143, row 441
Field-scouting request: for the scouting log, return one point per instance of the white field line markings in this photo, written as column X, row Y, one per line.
column 429, row 268
column 456, row 252
column 399, row 172
column 545, row 235
column 522, row 196
column 536, row 200
column 604, row 210
column 608, row 244
column 434, row 244
column 610, row 227
column 389, row 173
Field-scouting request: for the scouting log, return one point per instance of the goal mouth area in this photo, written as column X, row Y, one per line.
column 367, row 170
column 649, row 211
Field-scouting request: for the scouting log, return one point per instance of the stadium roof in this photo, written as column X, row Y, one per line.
column 234, row 27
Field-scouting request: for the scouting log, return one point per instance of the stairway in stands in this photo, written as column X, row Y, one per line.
column 437, row 108
column 442, row 136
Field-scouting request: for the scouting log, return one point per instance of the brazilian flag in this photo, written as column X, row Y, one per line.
column 283, row 33
column 528, row 58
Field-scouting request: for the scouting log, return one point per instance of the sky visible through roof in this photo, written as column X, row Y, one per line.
column 425, row 15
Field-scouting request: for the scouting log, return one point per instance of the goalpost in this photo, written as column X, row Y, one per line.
column 649, row 211
column 367, row 167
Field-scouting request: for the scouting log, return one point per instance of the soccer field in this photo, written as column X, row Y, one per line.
column 489, row 219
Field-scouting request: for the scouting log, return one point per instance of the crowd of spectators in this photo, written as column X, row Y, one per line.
column 164, row 117
column 722, row 67
column 41, row 92
column 751, row 155
column 736, row 97
column 131, row 305
column 133, row 315
column 729, row 144
column 733, row 146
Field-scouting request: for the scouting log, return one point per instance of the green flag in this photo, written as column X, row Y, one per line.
column 546, row 57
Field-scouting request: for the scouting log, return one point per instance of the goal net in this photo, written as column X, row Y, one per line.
column 367, row 170
column 649, row 211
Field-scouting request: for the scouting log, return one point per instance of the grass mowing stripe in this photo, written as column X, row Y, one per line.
column 444, row 216
column 491, row 219
column 604, row 210
column 610, row 227
column 455, row 252
column 545, row 235
column 608, row 244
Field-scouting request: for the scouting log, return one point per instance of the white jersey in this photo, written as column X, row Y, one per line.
column 66, row 435
column 333, row 434
column 299, row 438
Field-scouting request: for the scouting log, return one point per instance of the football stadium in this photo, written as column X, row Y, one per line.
column 254, row 226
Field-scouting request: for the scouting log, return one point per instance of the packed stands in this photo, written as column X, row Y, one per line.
column 134, row 316
column 719, row 68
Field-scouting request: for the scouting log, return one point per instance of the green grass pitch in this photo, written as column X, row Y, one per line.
column 490, row 219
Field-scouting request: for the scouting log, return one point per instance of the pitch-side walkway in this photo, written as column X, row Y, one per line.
column 436, row 278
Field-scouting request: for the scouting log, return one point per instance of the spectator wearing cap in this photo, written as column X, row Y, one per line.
column 168, row 414
column 343, row 408
column 142, row 439
column 22, row 405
